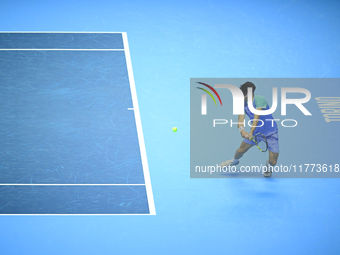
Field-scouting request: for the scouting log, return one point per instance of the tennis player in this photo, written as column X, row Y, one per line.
column 264, row 124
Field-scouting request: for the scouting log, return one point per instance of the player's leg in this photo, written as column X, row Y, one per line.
column 244, row 147
column 271, row 163
column 273, row 158
column 273, row 147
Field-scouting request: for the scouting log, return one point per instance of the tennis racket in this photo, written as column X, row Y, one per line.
column 261, row 142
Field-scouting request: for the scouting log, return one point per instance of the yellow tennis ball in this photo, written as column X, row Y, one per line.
column 174, row 129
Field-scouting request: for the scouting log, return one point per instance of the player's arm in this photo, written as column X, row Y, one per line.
column 260, row 104
column 254, row 124
column 240, row 126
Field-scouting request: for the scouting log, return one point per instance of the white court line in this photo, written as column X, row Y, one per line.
column 147, row 179
column 57, row 32
column 63, row 49
column 130, row 109
column 27, row 214
column 66, row 184
column 113, row 214
column 66, row 32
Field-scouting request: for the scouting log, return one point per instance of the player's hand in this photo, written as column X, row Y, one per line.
column 250, row 135
column 244, row 134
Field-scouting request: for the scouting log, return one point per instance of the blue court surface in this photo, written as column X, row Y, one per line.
column 90, row 92
column 69, row 133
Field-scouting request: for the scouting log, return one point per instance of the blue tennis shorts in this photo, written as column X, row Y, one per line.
column 273, row 142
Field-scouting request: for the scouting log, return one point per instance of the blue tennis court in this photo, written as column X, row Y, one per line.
column 70, row 140
column 89, row 163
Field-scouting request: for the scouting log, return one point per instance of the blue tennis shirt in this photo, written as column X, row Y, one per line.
column 269, row 126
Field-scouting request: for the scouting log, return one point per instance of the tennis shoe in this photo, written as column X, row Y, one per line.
column 269, row 171
column 229, row 163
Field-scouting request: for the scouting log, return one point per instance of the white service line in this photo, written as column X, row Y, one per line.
column 57, row 32
column 62, row 49
column 66, row 184
column 55, row 214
